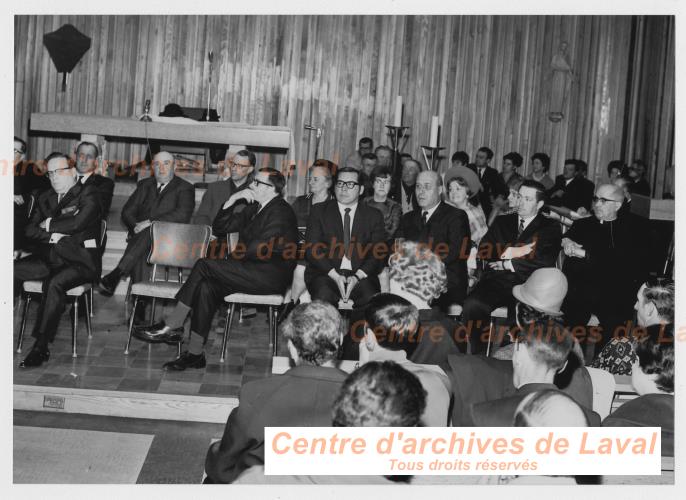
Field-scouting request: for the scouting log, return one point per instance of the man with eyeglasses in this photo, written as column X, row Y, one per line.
column 162, row 197
column 65, row 230
column 514, row 247
column 445, row 229
column 345, row 246
column 260, row 265
column 235, row 176
column 605, row 264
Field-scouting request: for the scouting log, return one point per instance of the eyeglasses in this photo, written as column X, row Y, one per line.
column 237, row 165
column 53, row 173
column 346, row 185
column 256, row 182
column 602, row 200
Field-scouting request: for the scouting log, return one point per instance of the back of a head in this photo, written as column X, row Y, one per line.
column 656, row 357
column 380, row 394
column 393, row 321
column 315, row 330
column 660, row 291
column 549, row 408
column 418, row 270
column 548, row 342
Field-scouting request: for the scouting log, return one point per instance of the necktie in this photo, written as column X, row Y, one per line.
column 81, row 177
column 59, row 198
column 159, row 188
column 481, row 173
column 424, row 218
column 346, row 232
column 521, row 227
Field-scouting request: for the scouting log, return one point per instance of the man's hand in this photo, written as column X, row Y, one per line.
column 18, row 199
column 140, row 226
column 340, row 282
column 245, row 194
column 572, row 248
column 352, row 282
column 498, row 265
column 518, row 252
column 43, row 224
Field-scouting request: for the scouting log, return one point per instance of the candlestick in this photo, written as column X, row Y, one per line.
column 433, row 135
column 398, row 112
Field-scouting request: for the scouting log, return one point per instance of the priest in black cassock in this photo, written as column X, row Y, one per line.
column 605, row 264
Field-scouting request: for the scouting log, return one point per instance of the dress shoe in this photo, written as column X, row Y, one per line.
column 36, row 357
column 159, row 333
column 186, row 360
column 109, row 282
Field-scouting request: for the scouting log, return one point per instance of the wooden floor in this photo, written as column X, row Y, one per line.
column 102, row 364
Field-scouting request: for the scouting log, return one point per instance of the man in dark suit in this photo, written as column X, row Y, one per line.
column 87, row 154
column 572, row 190
column 493, row 185
column 445, row 229
column 606, row 264
column 65, row 230
column 27, row 182
column 514, row 247
column 541, row 351
column 163, row 197
column 345, row 245
column 303, row 396
column 638, row 173
column 236, row 175
column 404, row 191
column 262, row 264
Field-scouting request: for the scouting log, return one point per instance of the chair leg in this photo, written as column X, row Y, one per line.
column 152, row 312
column 275, row 332
column 227, row 330
column 133, row 313
column 490, row 336
column 89, row 313
column 22, row 329
column 75, row 325
column 90, row 299
column 240, row 313
column 271, row 326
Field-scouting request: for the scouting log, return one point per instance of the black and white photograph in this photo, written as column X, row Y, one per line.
column 454, row 221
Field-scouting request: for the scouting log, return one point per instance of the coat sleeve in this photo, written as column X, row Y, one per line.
column 33, row 230
column 89, row 210
column 545, row 252
column 316, row 246
column 204, row 213
column 130, row 209
column 106, row 193
column 460, row 238
column 374, row 261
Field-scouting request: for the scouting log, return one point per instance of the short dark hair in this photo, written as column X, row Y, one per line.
column 381, row 171
column 656, row 357
column 22, row 142
column 327, row 164
column 382, row 148
column 88, row 145
column 660, row 291
column 348, row 170
column 249, row 155
column 540, row 188
column 544, row 159
column 572, row 161
column 487, row 150
column 460, row 156
column 549, row 342
column 369, row 156
column 393, row 320
column 315, row 330
column 276, row 178
column 618, row 164
column 640, row 163
column 515, row 158
column 56, row 154
column 366, row 140
column 380, row 394
column 581, row 166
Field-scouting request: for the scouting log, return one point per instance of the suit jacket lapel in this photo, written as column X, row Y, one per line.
column 531, row 228
column 335, row 216
column 166, row 189
column 68, row 196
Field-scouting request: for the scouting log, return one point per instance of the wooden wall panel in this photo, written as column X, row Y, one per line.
column 488, row 78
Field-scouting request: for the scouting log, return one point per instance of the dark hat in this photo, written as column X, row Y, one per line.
column 172, row 110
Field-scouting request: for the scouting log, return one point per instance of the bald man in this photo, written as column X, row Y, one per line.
column 549, row 408
column 605, row 265
column 162, row 197
column 445, row 229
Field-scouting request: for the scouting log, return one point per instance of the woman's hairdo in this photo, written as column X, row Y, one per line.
column 418, row 270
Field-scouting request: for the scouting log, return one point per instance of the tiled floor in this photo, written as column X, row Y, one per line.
column 101, row 363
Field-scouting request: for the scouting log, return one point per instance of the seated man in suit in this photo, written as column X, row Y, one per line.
column 65, row 228
column 236, row 175
column 261, row 264
column 87, row 155
column 345, row 245
column 164, row 197
column 301, row 397
column 27, row 182
column 605, row 264
column 541, row 351
column 572, row 192
column 445, row 229
column 514, row 247
column 493, row 185
column 404, row 192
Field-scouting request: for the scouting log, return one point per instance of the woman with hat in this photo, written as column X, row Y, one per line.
column 463, row 186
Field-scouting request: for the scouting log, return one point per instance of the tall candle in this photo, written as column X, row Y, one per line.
column 398, row 112
column 433, row 136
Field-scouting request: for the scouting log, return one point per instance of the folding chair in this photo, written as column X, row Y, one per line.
column 173, row 245
column 35, row 287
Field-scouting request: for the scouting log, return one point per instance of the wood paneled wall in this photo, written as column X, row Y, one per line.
column 490, row 79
